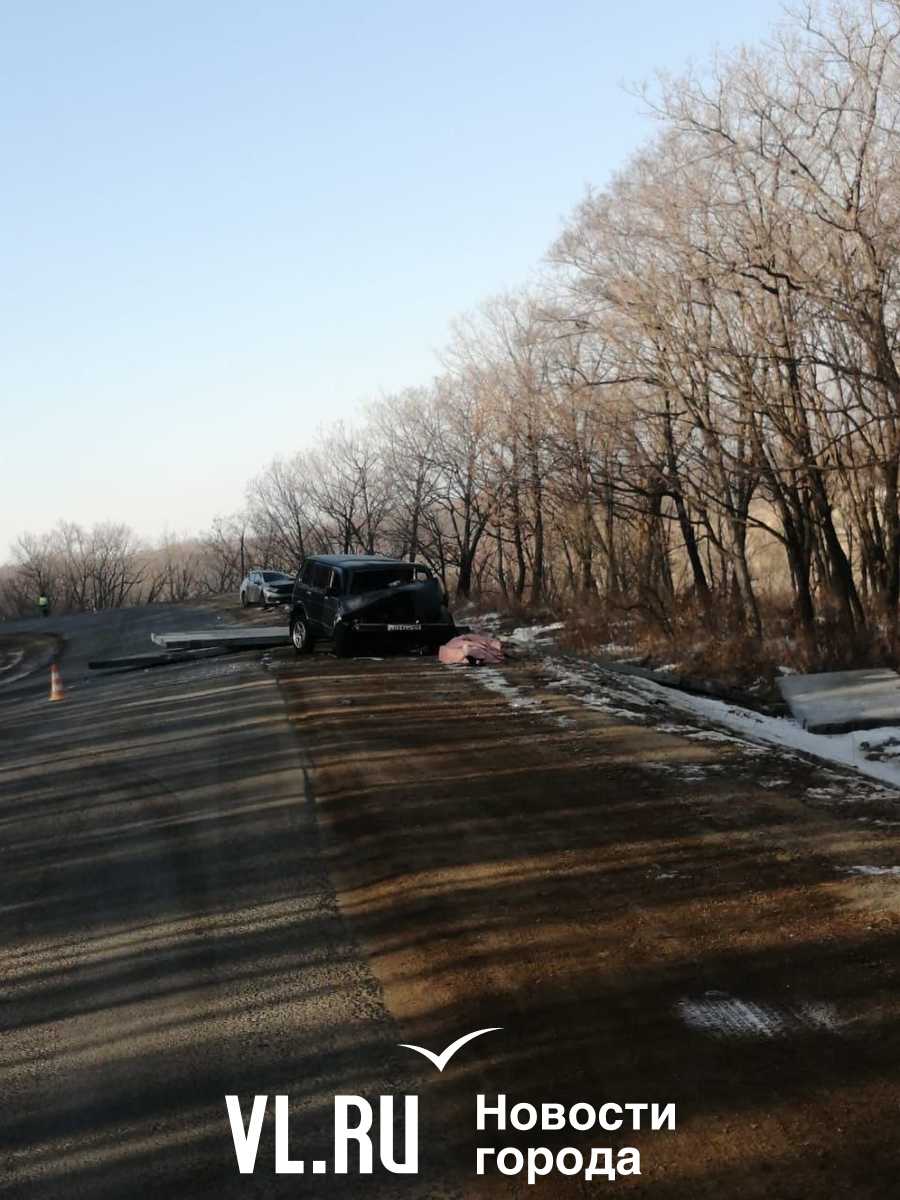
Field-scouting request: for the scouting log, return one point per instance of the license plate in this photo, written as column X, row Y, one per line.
column 402, row 628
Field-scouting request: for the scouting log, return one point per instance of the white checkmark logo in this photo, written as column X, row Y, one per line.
column 441, row 1060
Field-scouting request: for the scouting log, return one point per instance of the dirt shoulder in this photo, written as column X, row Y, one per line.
column 651, row 910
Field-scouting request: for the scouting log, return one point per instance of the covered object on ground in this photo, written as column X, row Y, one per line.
column 471, row 648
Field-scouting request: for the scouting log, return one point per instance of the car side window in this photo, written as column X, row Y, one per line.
column 307, row 575
column 321, row 576
column 335, row 584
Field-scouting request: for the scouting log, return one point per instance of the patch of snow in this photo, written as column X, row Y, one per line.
column 495, row 681
column 850, row 792
column 873, row 870
column 713, row 735
column 601, row 704
column 12, row 659
column 692, row 771
column 490, row 619
column 527, row 635
column 722, row 1016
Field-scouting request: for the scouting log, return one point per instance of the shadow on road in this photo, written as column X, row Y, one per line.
column 570, row 885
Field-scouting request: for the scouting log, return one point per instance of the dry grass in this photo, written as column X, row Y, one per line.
column 719, row 651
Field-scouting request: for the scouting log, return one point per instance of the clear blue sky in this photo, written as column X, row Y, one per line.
column 225, row 223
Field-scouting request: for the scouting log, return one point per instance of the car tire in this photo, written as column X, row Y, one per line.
column 343, row 642
column 244, row 600
column 301, row 638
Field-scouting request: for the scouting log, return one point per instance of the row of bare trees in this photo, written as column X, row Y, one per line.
column 107, row 566
column 699, row 400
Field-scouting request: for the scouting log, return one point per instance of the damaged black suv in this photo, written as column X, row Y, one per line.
column 351, row 597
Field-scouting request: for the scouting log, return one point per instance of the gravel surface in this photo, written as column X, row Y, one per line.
column 652, row 909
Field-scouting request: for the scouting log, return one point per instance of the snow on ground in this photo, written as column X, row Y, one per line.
column 873, row 870
column 528, row 635
column 486, row 621
column 873, row 753
column 495, row 681
column 846, row 749
column 720, row 1015
column 516, row 697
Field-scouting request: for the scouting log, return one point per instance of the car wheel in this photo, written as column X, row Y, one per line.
column 243, row 599
column 343, row 641
column 300, row 636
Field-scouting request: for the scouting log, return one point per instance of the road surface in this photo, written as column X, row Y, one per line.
column 168, row 934
column 260, row 878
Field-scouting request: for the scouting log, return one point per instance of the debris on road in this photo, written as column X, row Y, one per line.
column 472, row 648
column 232, row 636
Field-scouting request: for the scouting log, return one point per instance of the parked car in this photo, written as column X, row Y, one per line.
column 266, row 588
column 351, row 597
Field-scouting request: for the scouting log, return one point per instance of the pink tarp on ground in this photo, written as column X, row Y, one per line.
column 471, row 648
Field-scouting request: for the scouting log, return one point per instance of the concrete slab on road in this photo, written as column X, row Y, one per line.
column 840, row 701
column 234, row 636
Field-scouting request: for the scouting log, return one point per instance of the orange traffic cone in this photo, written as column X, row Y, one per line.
column 56, row 687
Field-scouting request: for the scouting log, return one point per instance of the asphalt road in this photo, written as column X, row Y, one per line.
column 168, row 932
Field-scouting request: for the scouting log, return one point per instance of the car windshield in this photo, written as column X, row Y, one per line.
column 370, row 580
column 274, row 576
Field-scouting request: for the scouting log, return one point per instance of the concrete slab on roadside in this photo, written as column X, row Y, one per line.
column 234, row 636
column 841, row 701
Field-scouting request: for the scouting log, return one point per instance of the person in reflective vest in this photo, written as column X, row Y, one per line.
column 44, row 605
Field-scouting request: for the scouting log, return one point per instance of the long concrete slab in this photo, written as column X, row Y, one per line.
column 840, row 701
column 235, row 636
